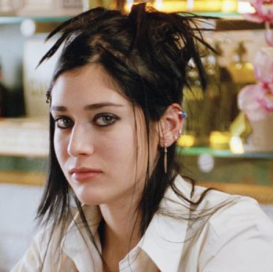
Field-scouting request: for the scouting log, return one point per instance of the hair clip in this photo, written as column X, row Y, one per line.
column 184, row 115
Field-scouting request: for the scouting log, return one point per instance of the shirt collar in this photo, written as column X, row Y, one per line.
column 77, row 245
column 164, row 239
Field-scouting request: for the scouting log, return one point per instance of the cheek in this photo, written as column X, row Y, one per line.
column 117, row 146
column 60, row 148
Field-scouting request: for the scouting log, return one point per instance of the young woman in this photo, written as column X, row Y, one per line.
column 114, row 200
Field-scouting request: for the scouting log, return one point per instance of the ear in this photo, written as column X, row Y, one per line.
column 170, row 125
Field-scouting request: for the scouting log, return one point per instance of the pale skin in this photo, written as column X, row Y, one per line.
column 95, row 143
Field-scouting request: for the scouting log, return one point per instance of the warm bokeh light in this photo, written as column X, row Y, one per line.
column 229, row 6
column 236, row 145
column 245, row 7
column 186, row 140
column 219, row 140
column 189, row 5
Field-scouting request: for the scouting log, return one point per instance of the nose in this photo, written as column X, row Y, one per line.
column 80, row 142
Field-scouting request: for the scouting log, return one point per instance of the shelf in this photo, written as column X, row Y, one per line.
column 22, row 164
column 196, row 151
column 23, row 178
column 222, row 22
column 263, row 194
column 250, row 174
column 18, row 20
column 29, row 162
column 39, row 164
column 236, row 24
column 224, row 15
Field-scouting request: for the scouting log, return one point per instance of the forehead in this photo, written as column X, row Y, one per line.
column 89, row 83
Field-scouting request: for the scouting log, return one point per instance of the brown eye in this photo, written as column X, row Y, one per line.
column 105, row 119
column 64, row 122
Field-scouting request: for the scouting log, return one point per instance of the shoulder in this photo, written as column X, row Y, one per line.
column 227, row 233
column 237, row 235
column 221, row 205
column 42, row 253
column 54, row 246
column 224, row 212
column 241, row 212
column 232, row 212
column 218, row 213
column 33, row 258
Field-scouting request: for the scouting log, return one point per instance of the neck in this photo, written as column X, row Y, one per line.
column 121, row 225
column 119, row 234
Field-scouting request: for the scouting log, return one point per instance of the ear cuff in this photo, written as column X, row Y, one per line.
column 183, row 114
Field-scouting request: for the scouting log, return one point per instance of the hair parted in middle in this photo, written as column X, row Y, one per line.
column 146, row 52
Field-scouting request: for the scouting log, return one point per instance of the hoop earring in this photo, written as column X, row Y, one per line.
column 165, row 159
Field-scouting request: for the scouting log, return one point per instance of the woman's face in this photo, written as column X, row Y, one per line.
column 96, row 139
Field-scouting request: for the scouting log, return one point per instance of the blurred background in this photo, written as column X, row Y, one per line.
column 221, row 145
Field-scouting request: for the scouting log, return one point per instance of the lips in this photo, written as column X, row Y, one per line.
column 83, row 174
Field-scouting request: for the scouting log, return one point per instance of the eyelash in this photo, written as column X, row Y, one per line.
column 63, row 119
column 104, row 116
column 96, row 120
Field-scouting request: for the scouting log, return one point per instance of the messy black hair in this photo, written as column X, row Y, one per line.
column 147, row 53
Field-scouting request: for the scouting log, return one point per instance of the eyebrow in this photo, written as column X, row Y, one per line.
column 88, row 107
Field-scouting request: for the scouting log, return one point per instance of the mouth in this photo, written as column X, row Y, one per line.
column 84, row 174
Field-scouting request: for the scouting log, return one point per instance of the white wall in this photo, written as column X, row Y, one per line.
column 268, row 209
column 18, row 206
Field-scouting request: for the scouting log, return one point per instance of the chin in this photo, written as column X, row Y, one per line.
column 90, row 199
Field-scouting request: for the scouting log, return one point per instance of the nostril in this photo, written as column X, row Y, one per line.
column 79, row 143
column 80, row 148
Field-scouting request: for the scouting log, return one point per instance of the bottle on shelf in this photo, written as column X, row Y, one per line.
column 223, row 109
column 240, row 68
column 228, row 109
column 242, row 73
column 209, row 120
column 202, row 106
column 192, row 100
column 3, row 95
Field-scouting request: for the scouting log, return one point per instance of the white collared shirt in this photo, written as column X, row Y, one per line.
column 225, row 234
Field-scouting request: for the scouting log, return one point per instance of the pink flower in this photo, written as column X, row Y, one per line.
column 263, row 13
column 267, row 98
column 256, row 100
column 263, row 66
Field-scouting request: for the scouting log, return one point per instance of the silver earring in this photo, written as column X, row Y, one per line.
column 175, row 137
column 165, row 158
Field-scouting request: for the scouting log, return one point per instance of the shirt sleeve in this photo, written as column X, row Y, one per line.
column 42, row 254
column 45, row 255
column 239, row 240
column 31, row 261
